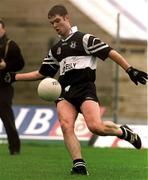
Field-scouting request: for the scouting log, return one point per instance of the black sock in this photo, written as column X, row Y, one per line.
column 79, row 164
column 78, row 160
column 79, row 167
column 126, row 134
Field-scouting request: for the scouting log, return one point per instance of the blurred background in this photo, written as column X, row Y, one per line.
column 28, row 25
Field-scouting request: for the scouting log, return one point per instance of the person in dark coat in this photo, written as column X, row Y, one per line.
column 11, row 59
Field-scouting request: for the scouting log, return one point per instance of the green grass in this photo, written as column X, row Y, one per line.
column 43, row 161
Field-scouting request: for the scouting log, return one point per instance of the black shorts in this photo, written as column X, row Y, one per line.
column 77, row 94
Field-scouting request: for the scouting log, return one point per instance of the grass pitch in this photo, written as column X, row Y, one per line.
column 50, row 161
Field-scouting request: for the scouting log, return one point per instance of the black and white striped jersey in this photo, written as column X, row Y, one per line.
column 75, row 57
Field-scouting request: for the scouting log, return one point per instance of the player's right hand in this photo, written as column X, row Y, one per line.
column 9, row 77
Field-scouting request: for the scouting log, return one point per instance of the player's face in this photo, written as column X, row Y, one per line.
column 61, row 24
column 2, row 31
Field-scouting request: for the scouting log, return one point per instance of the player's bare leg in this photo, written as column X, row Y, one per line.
column 67, row 116
column 91, row 112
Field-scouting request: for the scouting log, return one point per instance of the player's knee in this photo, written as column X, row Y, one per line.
column 96, row 128
column 66, row 127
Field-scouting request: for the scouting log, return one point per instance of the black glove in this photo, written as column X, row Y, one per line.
column 137, row 75
column 9, row 77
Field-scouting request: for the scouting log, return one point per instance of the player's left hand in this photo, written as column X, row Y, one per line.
column 137, row 76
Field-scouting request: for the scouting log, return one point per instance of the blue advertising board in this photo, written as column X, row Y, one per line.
column 39, row 122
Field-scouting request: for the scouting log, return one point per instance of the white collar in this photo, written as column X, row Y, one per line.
column 71, row 32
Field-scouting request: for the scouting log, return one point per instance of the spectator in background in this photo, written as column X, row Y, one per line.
column 11, row 59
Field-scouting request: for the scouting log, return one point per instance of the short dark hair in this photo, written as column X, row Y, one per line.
column 57, row 10
column 2, row 23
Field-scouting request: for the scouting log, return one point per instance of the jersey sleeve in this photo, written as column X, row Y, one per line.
column 94, row 46
column 49, row 66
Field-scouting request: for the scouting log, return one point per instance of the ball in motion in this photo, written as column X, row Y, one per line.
column 49, row 89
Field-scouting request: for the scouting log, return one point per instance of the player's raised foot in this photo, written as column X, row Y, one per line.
column 131, row 137
column 80, row 170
